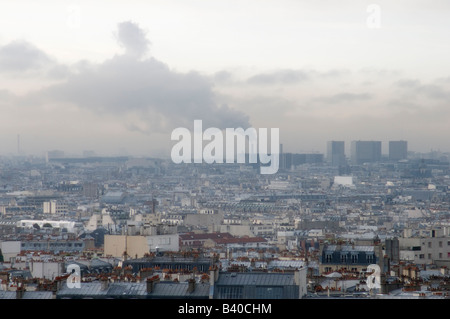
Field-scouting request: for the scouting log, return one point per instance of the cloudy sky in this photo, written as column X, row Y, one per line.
column 118, row 76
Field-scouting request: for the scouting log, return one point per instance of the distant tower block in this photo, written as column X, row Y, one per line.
column 336, row 153
column 398, row 150
column 365, row 152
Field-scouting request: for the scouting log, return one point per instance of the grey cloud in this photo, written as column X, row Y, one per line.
column 132, row 38
column 23, row 59
column 222, row 77
column 408, row 83
column 6, row 95
column 384, row 73
column 432, row 91
column 344, row 97
column 147, row 90
column 22, row 56
column 334, row 73
column 279, row 77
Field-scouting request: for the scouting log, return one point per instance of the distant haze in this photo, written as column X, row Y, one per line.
column 117, row 77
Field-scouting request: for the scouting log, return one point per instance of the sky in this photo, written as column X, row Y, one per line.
column 118, row 77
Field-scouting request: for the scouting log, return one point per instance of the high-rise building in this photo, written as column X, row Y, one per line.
column 365, row 152
column 398, row 150
column 336, row 153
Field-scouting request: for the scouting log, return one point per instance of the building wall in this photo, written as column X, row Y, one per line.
column 237, row 230
column 54, row 246
column 398, row 150
column 434, row 248
column 203, row 219
column 116, row 245
column 336, row 153
column 10, row 249
column 48, row 270
column 332, row 260
column 365, row 151
column 168, row 242
column 426, row 250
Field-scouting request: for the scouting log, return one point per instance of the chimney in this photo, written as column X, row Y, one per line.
column 191, row 285
column 20, row 292
column 151, row 281
column 213, row 275
column 105, row 283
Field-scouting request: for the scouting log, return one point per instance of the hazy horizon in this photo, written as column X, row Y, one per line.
column 117, row 77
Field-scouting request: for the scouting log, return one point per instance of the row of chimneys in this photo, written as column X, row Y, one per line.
column 214, row 275
column 151, row 281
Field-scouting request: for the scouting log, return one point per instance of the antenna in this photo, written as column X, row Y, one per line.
column 18, row 144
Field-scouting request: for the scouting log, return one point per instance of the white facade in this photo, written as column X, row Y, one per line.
column 46, row 269
column 100, row 220
column 29, row 223
column 55, row 207
column 10, row 249
column 164, row 242
column 346, row 181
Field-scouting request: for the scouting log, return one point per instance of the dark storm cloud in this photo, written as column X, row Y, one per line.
column 147, row 90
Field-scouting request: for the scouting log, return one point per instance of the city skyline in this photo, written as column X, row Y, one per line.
column 119, row 77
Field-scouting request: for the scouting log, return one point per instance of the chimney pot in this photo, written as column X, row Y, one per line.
column 191, row 285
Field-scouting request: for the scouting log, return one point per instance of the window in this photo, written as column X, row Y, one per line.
column 440, row 244
column 328, row 258
column 440, row 255
column 421, row 256
column 343, row 258
column 369, row 258
column 354, row 258
column 429, row 256
column 429, row 244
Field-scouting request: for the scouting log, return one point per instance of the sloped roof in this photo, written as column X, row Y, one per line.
column 240, row 240
column 37, row 295
column 350, row 248
column 193, row 236
column 173, row 289
column 163, row 289
column 255, row 279
column 7, row 294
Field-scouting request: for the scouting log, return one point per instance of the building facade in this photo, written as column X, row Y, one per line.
column 336, row 153
column 398, row 150
column 365, row 152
